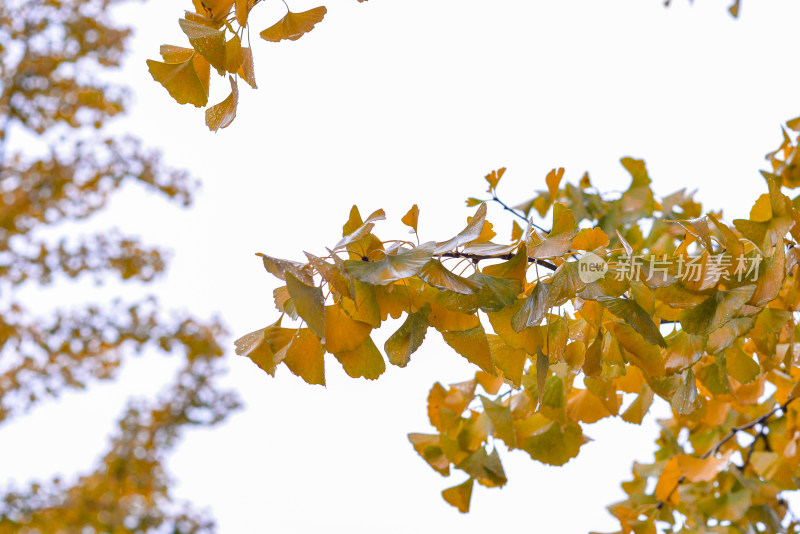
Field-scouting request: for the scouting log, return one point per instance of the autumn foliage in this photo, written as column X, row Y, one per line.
column 681, row 306
column 50, row 52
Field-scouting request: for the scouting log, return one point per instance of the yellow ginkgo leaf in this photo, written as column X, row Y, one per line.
column 459, row 496
column 366, row 360
column 221, row 115
column 243, row 8
column 590, row 239
column 234, row 56
column 342, row 333
column 208, row 42
column 411, row 218
column 246, row 71
column 294, row 25
column 216, row 10
column 175, row 54
column 304, row 357
column 181, row 80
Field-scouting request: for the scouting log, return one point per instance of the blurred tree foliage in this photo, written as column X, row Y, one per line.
column 61, row 168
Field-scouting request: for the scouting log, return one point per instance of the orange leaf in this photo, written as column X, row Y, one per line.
column 294, row 25
column 459, row 496
column 411, row 218
column 181, row 80
column 702, row 470
column 667, row 486
column 590, row 239
column 222, row 115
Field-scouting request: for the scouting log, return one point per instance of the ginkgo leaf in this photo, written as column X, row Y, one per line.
column 278, row 268
column 411, row 218
column 246, row 71
column 485, row 468
column 364, row 305
column 715, row 311
column 590, row 239
column 175, row 54
column 216, row 10
column 361, row 232
column 542, row 370
column 294, row 25
column 502, row 421
column 364, row 361
column 343, row 334
column 510, row 360
column 459, row 496
column 741, row 366
column 558, row 241
column 495, row 293
column 181, row 80
column 304, row 357
column 642, row 353
column 515, row 268
column 408, row 338
column 593, row 360
column 392, row 267
column 437, row 275
column 586, row 407
column 222, row 114
column 234, row 56
column 684, row 401
column 635, row 413
column 309, row 302
column 445, row 320
column 208, row 42
column 667, row 487
column 552, row 180
column 630, row 312
column 242, row 8
column 702, row 469
column 554, row 444
column 683, row 351
column 467, row 235
column 255, row 347
column 534, row 309
column 494, row 178
column 473, row 345
column 428, row 446
column 527, row 339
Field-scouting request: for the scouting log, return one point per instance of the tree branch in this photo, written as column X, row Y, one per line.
column 480, row 257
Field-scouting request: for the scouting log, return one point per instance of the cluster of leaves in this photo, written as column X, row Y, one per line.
column 219, row 38
column 51, row 55
column 556, row 352
column 215, row 42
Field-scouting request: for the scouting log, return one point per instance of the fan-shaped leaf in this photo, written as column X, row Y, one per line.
column 294, row 25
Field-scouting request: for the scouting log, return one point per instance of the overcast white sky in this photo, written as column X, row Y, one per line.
column 386, row 104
